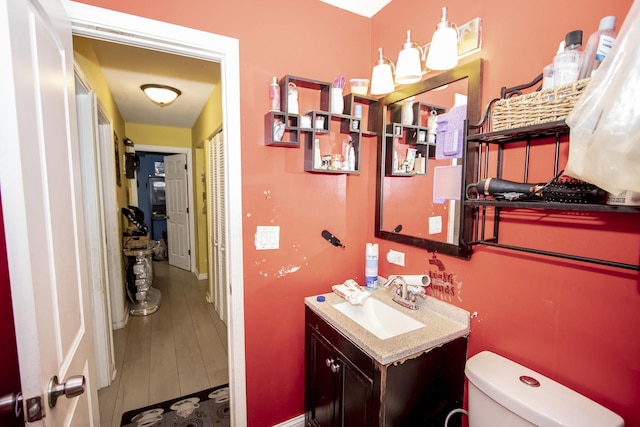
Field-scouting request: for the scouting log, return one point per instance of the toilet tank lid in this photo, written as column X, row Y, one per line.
column 550, row 405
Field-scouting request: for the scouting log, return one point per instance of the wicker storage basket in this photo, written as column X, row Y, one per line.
column 538, row 107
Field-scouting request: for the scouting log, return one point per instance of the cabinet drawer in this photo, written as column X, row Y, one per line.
column 357, row 357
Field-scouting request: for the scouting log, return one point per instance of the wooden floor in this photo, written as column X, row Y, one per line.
column 180, row 349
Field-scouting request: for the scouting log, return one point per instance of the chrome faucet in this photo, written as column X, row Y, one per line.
column 405, row 294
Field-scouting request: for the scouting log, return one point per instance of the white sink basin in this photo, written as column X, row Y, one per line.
column 378, row 318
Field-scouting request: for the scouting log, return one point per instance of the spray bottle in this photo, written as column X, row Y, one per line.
column 371, row 266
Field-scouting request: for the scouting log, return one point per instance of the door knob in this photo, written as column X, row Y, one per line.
column 74, row 386
column 11, row 404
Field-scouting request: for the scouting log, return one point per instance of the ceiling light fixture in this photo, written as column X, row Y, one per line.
column 443, row 51
column 382, row 76
column 160, row 94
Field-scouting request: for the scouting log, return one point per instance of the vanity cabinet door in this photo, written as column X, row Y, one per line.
column 321, row 381
column 338, row 379
column 355, row 391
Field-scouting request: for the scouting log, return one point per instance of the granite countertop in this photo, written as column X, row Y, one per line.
column 443, row 323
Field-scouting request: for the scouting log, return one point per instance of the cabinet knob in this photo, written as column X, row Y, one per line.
column 335, row 368
column 329, row 362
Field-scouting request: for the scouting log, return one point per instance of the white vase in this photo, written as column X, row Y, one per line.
column 336, row 101
column 406, row 116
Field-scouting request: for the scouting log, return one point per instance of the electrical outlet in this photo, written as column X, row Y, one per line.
column 395, row 257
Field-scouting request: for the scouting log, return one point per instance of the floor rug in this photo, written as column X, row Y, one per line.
column 208, row 408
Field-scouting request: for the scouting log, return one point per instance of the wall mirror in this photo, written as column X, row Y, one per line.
column 420, row 180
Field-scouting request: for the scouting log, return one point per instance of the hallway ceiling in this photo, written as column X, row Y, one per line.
column 126, row 68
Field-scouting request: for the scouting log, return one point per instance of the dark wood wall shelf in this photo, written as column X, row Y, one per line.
column 327, row 131
column 414, row 135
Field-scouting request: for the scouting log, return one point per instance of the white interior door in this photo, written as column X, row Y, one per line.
column 87, row 113
column 43, row 215
column 178, row 245
column 217, row 226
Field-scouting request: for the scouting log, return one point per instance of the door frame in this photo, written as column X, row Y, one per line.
column 188, row 152
column 105, row 24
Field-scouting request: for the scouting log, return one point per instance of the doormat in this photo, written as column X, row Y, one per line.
column 207, row 408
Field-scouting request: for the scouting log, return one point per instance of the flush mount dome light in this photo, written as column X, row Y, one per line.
column 161, row 94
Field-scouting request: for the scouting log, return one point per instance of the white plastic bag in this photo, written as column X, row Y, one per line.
column 604, row 147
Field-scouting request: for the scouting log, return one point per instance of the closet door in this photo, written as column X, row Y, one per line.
column 217, row 226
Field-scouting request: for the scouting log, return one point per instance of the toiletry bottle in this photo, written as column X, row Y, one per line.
column 547, row 71
column 317, row 160
column 371, row 266
column 566, row 64
column 598, row 46
column 352, row 158
column 274, row 94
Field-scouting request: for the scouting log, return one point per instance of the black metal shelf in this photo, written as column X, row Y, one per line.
column 558, row 255
column 586, row 207
column 486, row 211
column 545, row 130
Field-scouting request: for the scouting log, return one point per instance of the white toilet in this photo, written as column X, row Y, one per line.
column 503, row 393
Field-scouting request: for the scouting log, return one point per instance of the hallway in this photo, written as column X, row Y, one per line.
column 180, row 349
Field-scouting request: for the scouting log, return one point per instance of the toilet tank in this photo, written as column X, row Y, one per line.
column 503, row 393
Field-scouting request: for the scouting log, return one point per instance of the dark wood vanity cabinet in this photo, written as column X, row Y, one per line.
column 345, row 387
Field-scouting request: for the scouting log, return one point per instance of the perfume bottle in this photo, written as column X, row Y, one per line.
column 274, row 94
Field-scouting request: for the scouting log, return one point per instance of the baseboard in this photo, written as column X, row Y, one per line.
column 201, row 276
column 293, row 422
column 119, row 325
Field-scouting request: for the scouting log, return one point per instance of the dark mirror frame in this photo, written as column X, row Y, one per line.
column 473, row 72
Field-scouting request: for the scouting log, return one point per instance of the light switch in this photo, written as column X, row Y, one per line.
column 435, row 224
column 267, row 237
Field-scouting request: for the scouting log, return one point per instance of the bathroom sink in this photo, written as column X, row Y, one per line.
column 380, row 319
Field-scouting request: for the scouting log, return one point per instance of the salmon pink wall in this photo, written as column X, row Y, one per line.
column 570, row 321
column 312, row 40
column 567, row 320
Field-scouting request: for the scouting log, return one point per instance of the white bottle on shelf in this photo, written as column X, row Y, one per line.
column 351, row 161
column 598, row 46
column 566, row 64
column 317, row 160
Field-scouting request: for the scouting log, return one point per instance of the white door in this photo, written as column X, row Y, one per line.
column 216, row 212
column 43, row 216
column 175, row 169
column 87, row 113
